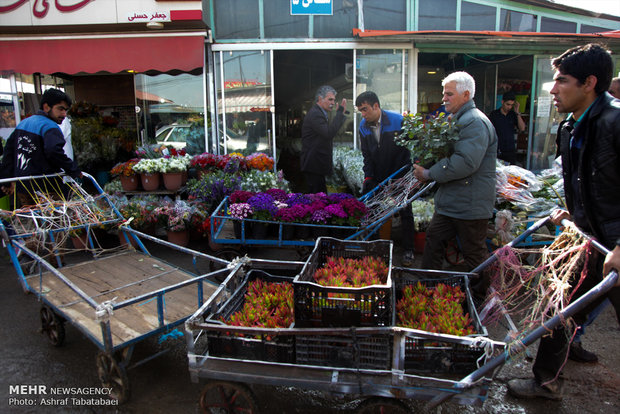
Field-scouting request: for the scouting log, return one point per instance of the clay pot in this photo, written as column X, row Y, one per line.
column 129, row 183
column 180, row 238
column 173, row 181
column 150, row 181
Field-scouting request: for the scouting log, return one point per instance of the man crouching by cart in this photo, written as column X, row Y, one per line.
column 589, row 144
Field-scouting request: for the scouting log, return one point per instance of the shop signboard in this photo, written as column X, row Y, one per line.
column 320, row 7
column 79, row 12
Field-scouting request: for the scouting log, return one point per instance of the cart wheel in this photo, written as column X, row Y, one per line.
column 53, row 326
column 454, row 256
column 380, row 405
column 227, row 397
column 114, row 376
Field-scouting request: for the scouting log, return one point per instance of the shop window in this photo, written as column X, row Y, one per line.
column 385, row 14
column 280, row 24
column 340, row 24
column 236, row 19
column 171, row 110
column 437, row 15
column 244, row 105
column 549, row 25
column 513, row 21
column 477, row 16
column 585, row 28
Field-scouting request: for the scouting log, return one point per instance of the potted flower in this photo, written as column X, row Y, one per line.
column 264, row 209
column 173, row 169
column 239, row 212
column 422, row 213
column 128, row 177
column 149, row 169
column 176, row 218
column 428, row 139
column 259, row 161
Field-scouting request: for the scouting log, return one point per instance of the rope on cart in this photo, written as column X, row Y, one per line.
column 393, row 194
column 487, row 345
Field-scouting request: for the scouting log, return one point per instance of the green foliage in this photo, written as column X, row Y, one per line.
column 428, row 140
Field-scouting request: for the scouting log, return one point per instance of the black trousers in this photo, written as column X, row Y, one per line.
column 553, row 348
column 315, row 183
column 407, row 229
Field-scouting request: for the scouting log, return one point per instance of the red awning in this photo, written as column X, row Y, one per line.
column 111, row 54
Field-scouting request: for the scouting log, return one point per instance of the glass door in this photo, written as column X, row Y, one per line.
column 545, row 118
column 383, row 71
column 244, row 102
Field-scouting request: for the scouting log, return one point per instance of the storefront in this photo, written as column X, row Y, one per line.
column 401, row 49
column 140, row 62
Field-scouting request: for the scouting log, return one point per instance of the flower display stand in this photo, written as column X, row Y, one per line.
column 129, row 183
column 173, row 181
column 180, row 238
column 150, row 181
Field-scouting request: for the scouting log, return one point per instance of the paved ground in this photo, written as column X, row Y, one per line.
column 163, row 385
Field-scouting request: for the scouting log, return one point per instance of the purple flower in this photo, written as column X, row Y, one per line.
column 277, row 194
column 301, row 212
column 338, row 197
column 320, row 217
column 240, row 210
column 262, row 202
column 286, row 214
column 297, row 198
column 354, row 208
column 336, row 210
column 240, row 196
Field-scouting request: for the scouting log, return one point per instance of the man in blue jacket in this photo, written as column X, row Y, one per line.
column 382, row 157
column 466, row 195
column 36, row 146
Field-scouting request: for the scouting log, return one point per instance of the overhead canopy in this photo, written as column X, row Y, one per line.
column 107, row 54
column 480, row 39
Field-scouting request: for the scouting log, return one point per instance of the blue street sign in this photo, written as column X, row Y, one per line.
column 324, row 7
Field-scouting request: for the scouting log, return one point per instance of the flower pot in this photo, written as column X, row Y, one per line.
column 80, row 242
column 385, row 231
column 288, row 232
column 173, row 181
column 129, row 183
column 260, row 230
column 419, row 239
column 180, row 238
column 237, row 229
column 150, row 181
column 123, row 241
column 320, row 231
column 302, row 232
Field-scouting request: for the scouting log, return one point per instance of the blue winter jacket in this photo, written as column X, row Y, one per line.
column 36, row 148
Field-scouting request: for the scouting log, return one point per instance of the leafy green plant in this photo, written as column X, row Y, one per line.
column 343, row 272
column 428, row 140
column 437, row 310
column 266, row 304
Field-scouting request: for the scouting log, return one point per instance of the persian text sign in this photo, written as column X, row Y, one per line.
column 312, row 7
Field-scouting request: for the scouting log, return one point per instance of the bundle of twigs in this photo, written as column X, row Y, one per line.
column 389, row 196
column 532, row 294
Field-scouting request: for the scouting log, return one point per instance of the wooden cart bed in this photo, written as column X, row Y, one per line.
column 123, row 276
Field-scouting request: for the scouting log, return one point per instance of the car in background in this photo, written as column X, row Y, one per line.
column 173, row 134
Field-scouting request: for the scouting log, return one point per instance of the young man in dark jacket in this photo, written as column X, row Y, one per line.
column 589, row 143
column 382, row 157
column 317, row 138
column 36, row 146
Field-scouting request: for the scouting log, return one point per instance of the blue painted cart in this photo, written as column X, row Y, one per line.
column 223, row 229
column 117, row 297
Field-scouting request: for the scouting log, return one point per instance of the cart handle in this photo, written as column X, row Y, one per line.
column 534, row 227
column 603, row 287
